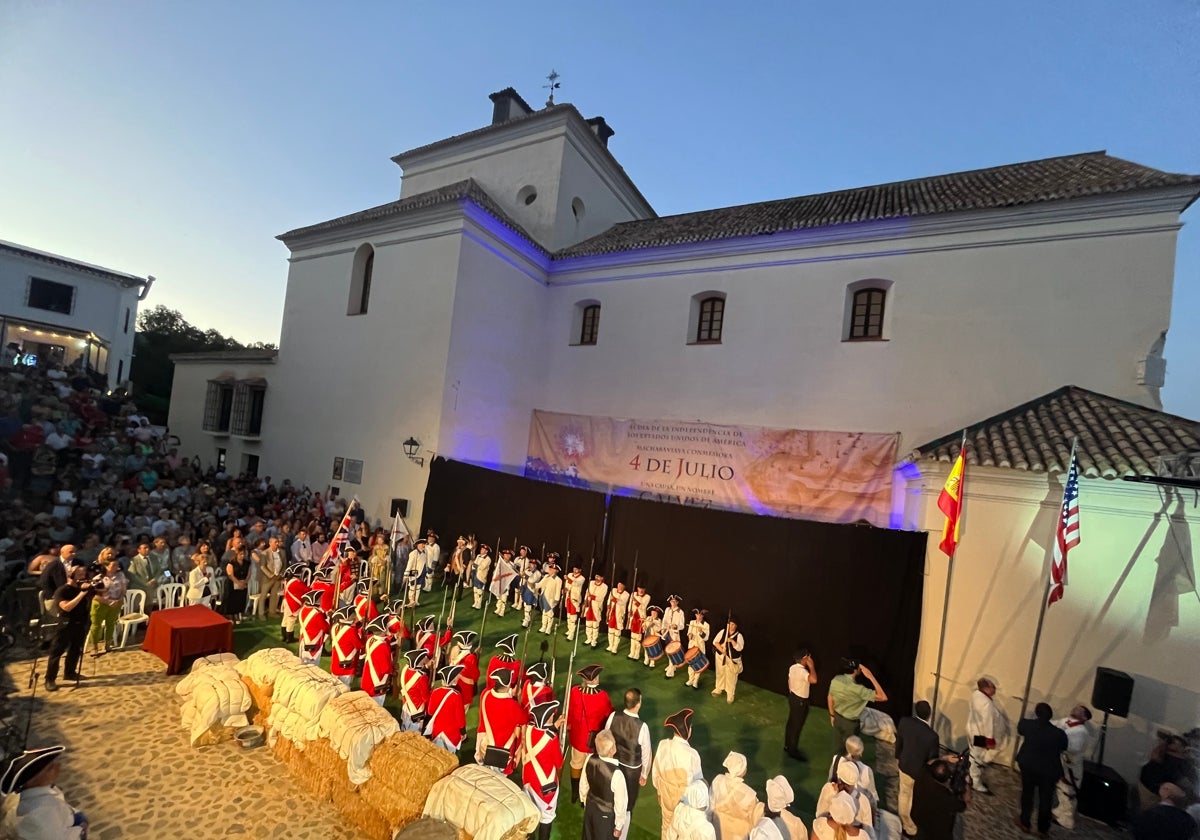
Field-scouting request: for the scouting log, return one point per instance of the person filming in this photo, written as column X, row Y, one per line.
column 73, row 600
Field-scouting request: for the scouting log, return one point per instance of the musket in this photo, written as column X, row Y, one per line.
column 437, row 628
column 562, row 603
column 524, row 652
column 571, row 665
column 633, row 590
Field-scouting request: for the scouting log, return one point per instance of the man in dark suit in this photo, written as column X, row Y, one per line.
column 1040, row 759
column 916, row 746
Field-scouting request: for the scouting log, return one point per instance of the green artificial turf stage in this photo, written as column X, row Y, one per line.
column 752, row 725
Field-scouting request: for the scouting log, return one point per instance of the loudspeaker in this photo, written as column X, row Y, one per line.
column 1111, row 692
column 1102, row 793
column 399, row 506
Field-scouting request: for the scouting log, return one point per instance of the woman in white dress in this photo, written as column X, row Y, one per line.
column 198, row 579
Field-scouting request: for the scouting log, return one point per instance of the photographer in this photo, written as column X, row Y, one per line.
column 940, row 795
column 73, row 602
column 106, row 606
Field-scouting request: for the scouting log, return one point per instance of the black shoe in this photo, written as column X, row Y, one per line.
column 51, row 685
column 75, row 677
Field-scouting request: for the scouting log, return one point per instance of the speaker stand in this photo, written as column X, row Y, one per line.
column 1103, row 736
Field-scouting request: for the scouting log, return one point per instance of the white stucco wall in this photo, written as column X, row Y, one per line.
column 185, row 420
column 1130, row 604
column 99, row 307
column 554, row 155
column 358, row 386
column 978, row 322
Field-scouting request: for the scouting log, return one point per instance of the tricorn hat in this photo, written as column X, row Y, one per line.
column 502, row 677
column 681, row 722
column 506, row 552
column 538, row 671
column 417, row 657
column 311, row 598
column 591, row 673
column 675, row 598
column 421, row 541
column 449, row 673
column 427, row 623
column 344, row 615
column 466, row 638
column 654, row 608
column 363, row 586
column 377, row 626
column 553, row 555
column 508, row 644
column 27, row 765
column 543, row 714
column 294, row 570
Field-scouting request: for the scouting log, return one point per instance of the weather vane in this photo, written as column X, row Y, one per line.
column 553, row 86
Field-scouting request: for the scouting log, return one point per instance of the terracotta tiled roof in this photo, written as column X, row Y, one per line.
column 458, row 191
column 1033, row 182
column 1116, row 438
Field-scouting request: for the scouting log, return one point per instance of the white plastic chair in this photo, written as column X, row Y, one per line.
column 171, row 595
column 133, row 614
column 253, row 596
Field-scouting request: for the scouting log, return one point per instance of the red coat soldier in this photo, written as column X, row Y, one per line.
column 506, row 659
column 414, row 690
column 447, row 724
column 379, row 660
column 294, row 588
column 313, row 628
column 535, row 691
column 588, row 709
column 347, row 645
column 500, row 720
column 323, row 585
column 463, row 654
column 542, row 754
column 364, row 606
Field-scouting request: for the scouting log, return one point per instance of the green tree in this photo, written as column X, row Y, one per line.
column 161, row 332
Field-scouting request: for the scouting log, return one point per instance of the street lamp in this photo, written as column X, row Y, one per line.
column 410, row 449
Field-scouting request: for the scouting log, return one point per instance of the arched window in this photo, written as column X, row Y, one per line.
column 712, row 317
column 866, row 314
column 590, row 328
column 360, row 280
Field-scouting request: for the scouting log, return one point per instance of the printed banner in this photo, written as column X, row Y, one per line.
column 826, row 476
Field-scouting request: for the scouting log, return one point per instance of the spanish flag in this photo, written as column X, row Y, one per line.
column 950, row 502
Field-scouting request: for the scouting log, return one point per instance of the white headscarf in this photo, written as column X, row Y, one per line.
column 843, row 810
column 847, row 772
column 735, row 763
column 779, row 794
column 696, row 795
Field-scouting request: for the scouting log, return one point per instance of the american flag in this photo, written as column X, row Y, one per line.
column 1066, row 536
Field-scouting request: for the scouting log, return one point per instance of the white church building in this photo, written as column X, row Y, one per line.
column 521, row 269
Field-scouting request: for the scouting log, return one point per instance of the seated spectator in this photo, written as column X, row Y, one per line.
column 1169, row 762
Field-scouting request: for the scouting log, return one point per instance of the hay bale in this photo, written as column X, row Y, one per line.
column 404, row 768
column 409, row 762
column 368, row 820
column 260, row 697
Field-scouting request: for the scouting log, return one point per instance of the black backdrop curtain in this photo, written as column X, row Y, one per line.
column 461, row 498
column 841, row 590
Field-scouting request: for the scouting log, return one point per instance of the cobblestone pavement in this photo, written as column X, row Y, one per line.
column 989, row 817
column 130, row 769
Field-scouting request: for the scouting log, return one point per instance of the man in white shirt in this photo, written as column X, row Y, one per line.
column 1079, row 747
column 603, row 793
column 801, row 678
column 433, row 555
column 632, row 738
column 302, row 549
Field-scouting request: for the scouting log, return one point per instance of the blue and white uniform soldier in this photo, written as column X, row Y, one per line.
column 550, row 593
column 415, row 570
column 530, row 593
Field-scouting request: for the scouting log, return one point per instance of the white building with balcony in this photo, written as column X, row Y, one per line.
column 57, row 309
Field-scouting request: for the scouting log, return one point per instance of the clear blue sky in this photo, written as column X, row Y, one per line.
column 177, row 139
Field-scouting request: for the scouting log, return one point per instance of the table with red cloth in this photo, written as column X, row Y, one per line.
column 178, row 633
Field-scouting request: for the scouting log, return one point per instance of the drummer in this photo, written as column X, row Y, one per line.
column 672, row 629
column 697, row 633
column 651, row 627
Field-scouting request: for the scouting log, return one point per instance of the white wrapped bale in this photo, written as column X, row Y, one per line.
column 482, row 803
column 212, row 696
